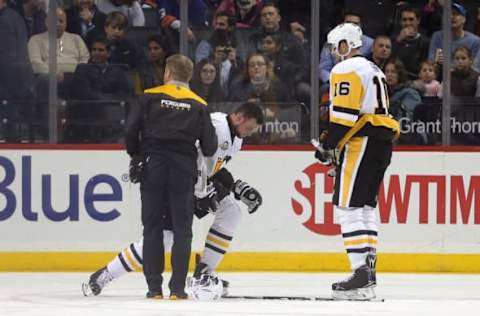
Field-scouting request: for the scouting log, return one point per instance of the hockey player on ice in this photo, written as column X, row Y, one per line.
column 212, row 193
column 359, row 143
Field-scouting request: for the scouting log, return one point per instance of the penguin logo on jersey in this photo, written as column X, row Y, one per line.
column 312, row 200
column 224, row 146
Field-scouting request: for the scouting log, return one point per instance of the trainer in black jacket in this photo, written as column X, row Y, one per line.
column 162, row 130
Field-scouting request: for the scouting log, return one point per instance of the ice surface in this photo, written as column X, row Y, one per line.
column 56, row 294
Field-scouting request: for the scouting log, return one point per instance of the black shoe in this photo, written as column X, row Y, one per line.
column 98, row 280
column 361, row 278
column 178, row 295
column 154, row 295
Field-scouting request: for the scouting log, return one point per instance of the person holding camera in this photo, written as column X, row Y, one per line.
column 161, row 134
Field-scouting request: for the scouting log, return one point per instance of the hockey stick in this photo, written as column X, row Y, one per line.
column 295, row 298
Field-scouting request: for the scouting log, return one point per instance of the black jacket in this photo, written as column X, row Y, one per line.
column 74, row 24
column 168, row 120
column 100, row 82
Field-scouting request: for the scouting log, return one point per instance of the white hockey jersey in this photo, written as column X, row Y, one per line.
column 358, row 100
column 227, row 148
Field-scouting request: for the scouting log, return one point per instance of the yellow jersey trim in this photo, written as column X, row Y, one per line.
column 378, row 120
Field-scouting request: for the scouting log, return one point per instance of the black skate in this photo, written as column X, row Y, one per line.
column 97, row 282
column 359, row 286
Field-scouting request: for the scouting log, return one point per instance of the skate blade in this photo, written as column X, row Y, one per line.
column 363, row 294
column 86, row 290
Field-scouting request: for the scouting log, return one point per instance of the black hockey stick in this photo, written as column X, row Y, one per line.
column 295, row 298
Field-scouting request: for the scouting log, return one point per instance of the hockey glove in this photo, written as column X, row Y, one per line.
column 137, row 168
column 207, row 204
column 223, row 183
column 325, row 156
column 247, row 195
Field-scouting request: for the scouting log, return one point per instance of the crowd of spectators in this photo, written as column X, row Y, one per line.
column 255, row 50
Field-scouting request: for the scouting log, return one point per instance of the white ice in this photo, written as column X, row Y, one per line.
column 59, row 294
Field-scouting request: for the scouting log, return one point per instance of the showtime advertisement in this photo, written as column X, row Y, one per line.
column 70, row 200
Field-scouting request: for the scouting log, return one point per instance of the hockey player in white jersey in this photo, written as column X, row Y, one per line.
column 212, row 191
column 359, row 143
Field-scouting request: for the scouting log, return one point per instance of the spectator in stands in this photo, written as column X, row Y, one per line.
column 381, row 51
column 223, row 32
column 100, row 83
column 260, row 85
column 15, row 72
column 327, row 59
column 227, row 64
column 403, row 98
column 283, row 69
column 122, row 50
column 289, row 73
column 33, row 14
column 130, row 8
column 99, row 79
column 84, row 18
column 460, row 37
column 150, row 73
column 465, row 80
column 432, row 17
column 246, row 12
column 270, row 24
column 409, row 45
column 70, row 50
column 427, row 83
column 206, row 83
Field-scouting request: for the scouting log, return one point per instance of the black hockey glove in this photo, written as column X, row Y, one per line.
column 137, row 168
column 207, row 204
column 247, row 195
column 223, row 182
column 325, row 156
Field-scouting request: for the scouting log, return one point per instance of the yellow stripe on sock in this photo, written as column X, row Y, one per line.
column 218, row 242
column 360, row 241
column 130, row 260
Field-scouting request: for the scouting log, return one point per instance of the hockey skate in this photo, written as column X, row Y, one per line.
column 97, row 282
column 202, row 268
column 358, row 287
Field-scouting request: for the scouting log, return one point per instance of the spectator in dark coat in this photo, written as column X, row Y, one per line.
column 16, row 76
column 206, row 83
column 259, row 84
column 33, row 14
column 99, row 79
column 84, row 18
column 150, row 73
column 122, row 51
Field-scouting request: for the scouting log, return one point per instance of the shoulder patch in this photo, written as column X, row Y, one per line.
column 224, row 145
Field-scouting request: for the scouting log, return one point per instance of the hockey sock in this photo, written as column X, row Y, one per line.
column 128, row 260
column 359, row 241
column 216, row 246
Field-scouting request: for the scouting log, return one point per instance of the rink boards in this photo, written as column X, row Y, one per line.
column 72, row 208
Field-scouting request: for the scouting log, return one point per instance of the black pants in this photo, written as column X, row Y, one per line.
column 362, row 166
column 166, row 188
